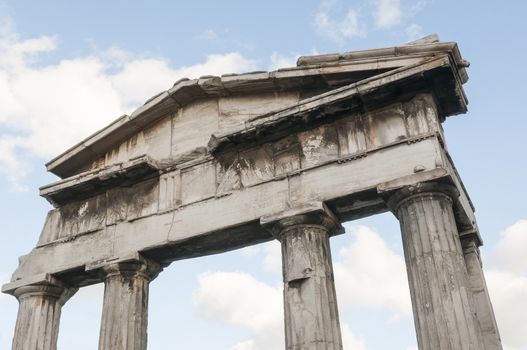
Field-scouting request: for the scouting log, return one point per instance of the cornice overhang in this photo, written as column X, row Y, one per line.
column 366, row 94
column 90, row 183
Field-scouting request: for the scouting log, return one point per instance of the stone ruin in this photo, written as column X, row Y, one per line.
column 219, row 163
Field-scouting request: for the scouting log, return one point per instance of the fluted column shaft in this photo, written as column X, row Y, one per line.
column 125, row 306
column 439, row 286
column 37, row 324
column 310, row 303
column 483, row 306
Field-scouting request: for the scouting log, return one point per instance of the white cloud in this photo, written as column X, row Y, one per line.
column 250, row 250
column 47, row 108
column 93, row 292
column 507, row 283
column 508, row 292
column 141, row 78
column 273, row 256
column 413, row 31
column 365, row 264
column 13, row 168
column 387, row 13
column 350, row 341
column 241, row 300
column 338, row 29
column 283, row 61
column 510, row 250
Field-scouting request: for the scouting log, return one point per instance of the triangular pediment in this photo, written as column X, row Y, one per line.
column 320, row 81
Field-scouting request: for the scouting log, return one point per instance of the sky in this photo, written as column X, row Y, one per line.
column 68, row 68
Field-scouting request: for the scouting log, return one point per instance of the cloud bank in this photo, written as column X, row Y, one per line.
column 47, row 108
column 506, row 274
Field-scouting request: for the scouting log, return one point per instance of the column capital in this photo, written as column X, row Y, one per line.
column 470, row 241
column 422, row 189
column 470, row 245
column 140, row 267
column 310, row 214
column 470, row 238
column 53, row 288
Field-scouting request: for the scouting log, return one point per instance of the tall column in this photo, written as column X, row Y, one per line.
column 310, row 302
column 439, row 285
column 483, row 306
column 37, row 324
column 125, row 305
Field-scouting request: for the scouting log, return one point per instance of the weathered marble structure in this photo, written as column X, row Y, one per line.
column 219, row 163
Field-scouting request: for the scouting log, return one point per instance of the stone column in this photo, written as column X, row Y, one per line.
column 483, row 306
column 311, row 314
column 37, row 324
column 442, row 299
column 125, row 305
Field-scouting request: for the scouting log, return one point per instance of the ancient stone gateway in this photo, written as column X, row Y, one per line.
column 219, row 163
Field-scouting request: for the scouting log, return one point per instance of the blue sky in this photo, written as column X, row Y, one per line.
column 68, row 68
